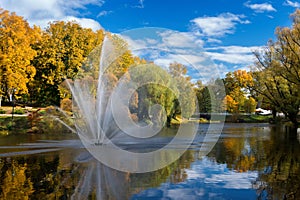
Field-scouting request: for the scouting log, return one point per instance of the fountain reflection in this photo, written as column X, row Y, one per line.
column 49, row 173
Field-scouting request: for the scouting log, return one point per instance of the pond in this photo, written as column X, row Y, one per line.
column 249, row 161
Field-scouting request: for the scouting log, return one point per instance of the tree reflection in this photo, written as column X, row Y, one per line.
column 280, row 179
column 233, row 151
column 14, row 183
column 276, row 159
column 58, row 176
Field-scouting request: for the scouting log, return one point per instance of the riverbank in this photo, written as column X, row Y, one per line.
column 249, row 118
column 32, row 120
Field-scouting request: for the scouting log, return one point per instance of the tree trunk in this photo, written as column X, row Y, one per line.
column 168, row 123
column 293, row 129
column 274, row 113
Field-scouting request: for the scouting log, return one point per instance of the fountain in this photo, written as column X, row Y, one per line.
column 102, row 116
column 102, row 122
column 102, row 111
column 115, row 143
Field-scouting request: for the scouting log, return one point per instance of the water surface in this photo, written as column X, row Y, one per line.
column 249, row 161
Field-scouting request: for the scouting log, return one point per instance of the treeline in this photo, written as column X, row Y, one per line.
column 34, row 63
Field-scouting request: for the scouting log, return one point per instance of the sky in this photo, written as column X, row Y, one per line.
column 226, row 32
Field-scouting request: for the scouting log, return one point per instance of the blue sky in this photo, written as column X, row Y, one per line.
column 227, row 31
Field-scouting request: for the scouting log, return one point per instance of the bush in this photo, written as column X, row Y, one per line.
column 66, row 105
column 19, row 111
column 2, row 111
column 42, row 112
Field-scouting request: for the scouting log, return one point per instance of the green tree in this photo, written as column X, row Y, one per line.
column 185, row 105
column 204, row 100
column 157, row 88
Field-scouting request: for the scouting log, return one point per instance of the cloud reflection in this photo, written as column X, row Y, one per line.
column 206, row 180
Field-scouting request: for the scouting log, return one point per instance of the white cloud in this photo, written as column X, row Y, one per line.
column 104, row 13
column 171, row 46
column 213, row 40
column 233, row 54
column 260, row 8
column 218, row 26
column 180, row 39
column 291, row 3
column 167, row 46
column 140, row 4
column 236, row 49
column 233, row 58
column 41, row 12
column 84, row 22
column 135, row 44
column 166, row 40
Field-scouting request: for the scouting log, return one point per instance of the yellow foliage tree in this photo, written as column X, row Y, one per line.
column 16, row 53
column 230, row 104
column 61, row 53
column 237, row 86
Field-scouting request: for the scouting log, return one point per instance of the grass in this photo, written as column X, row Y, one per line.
column 249, row 118
column 17, row 110
column 231, row 119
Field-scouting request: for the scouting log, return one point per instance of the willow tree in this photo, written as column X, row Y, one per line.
column 16, row 53
column 156, row 86
column 277, row 75
column 185, row 104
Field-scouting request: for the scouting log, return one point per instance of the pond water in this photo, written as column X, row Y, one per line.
column 249, row 161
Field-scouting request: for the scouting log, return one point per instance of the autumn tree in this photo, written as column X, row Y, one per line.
column 60, row 55
column 237, row 86
column 16, row 53
column 277, row 71
column 230, row 104
column 123, row 57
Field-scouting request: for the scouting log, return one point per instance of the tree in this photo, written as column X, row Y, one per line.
column 250, row 105
column 277, row 75
column 186, row 102
column 237, row 86
column 16, row 53
column 230, row 104
column 60, row 55
column 204, row 100
column 157, row 87
column 123, row 57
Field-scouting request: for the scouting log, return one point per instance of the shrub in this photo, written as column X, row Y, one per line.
column 19, row 111
column 42, row 112
column 2, row 111
column 66, row 105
